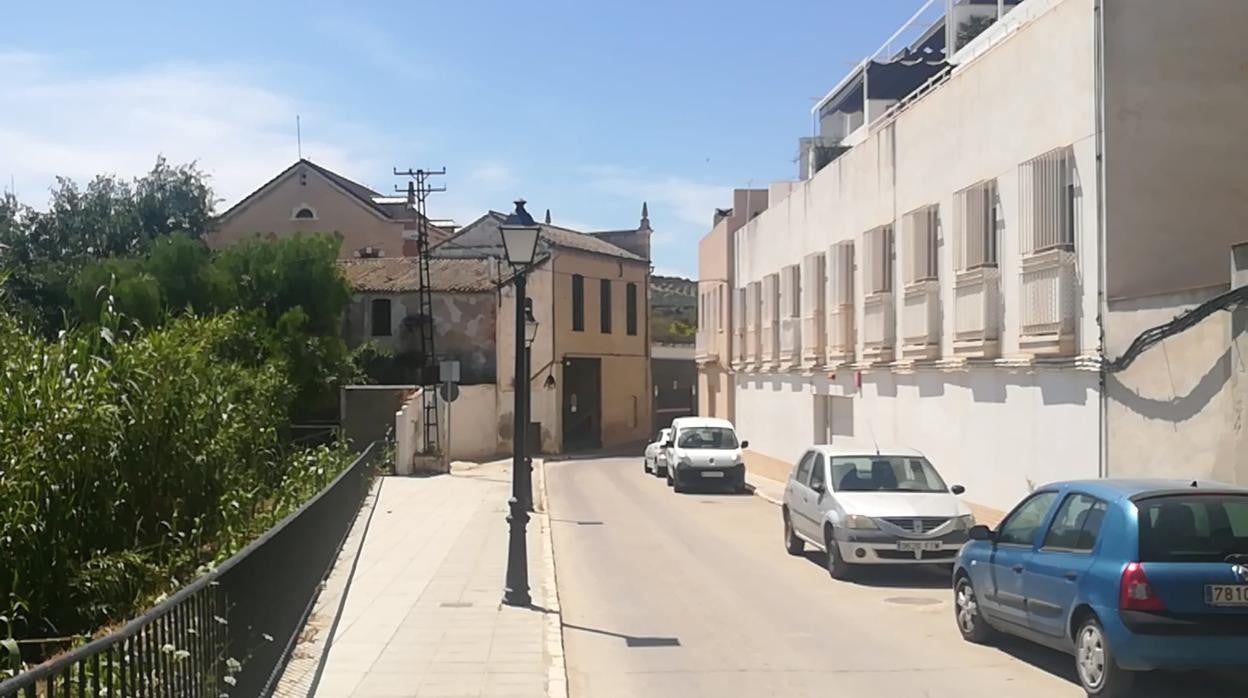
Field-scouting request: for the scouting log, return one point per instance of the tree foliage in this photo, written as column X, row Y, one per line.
column 292, row 286
column 127, row 462
column 110, row 217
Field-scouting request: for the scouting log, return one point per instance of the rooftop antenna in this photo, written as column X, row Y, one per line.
column 299, row 136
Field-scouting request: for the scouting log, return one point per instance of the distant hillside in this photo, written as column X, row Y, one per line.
column 673, row 310
column 674, row 292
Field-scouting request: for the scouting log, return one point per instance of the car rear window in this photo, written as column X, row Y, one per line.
column 1193, row 528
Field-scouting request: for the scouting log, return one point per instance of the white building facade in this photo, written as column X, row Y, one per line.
column 938, row 279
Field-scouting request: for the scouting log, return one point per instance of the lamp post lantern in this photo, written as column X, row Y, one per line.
column 519, row 233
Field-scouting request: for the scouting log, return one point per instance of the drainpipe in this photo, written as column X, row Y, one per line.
column 1102, row 304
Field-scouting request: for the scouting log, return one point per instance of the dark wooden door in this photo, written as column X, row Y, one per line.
column 582, row 404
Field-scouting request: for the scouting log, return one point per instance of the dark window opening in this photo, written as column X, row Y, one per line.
column 305, row 213
column 604, row 305
column 630, row 309
column 381, row 317
column 578, row 303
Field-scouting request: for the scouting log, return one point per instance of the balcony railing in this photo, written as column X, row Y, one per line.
column 790, row 341
column 812, row 340
column 841, row 337
column 1048, row 303
column 977, row 313
column 878, row 333
column 920, row 320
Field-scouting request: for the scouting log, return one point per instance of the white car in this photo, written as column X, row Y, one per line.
column 656, row 456
column 864, row 505
column 705, row 451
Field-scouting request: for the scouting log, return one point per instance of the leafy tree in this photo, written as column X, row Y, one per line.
column 110, row 217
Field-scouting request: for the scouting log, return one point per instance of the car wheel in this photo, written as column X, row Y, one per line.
column 792, row 543
column 966, row 612
column 679, row 484
column 667, row 473
column 837, row 567
column 1095, row 663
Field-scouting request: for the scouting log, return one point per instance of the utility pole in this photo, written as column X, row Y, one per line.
column 418, row 190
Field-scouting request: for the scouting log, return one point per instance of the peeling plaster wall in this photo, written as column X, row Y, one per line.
column 465, row 324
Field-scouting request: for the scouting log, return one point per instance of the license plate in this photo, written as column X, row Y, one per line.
column 913, row 545
column 712, row 473
column 1226, row 594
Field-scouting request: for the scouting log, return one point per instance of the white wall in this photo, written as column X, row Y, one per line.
column 1031, row 93
column 1172, row 413
column 472, row 424
column 997, row 432
column 408, row 434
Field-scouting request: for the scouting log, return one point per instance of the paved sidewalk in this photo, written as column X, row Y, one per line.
column 423, row 615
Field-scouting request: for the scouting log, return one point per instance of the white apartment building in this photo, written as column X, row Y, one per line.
column 974, row 235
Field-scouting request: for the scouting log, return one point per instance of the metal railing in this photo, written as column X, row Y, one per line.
column 228, row 633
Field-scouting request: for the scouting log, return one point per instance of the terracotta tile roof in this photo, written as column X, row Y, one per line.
column 402, row 274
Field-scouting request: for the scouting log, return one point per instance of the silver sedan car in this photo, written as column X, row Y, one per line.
column 656, row 455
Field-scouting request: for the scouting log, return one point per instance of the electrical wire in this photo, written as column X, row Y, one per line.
column 1181, row 323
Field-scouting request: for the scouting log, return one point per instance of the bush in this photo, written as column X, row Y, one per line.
column 127, row 463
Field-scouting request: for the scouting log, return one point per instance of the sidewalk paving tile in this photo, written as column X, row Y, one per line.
column 422, row 613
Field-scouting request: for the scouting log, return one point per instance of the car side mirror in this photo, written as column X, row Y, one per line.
column 957, row 489
column 745, row 444
column 981, row 533
column 818, row 487
column 667, row 444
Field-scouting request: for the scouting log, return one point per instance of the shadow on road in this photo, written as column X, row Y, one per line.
column 891, row 576
column 1157, row 684
column 629, row 640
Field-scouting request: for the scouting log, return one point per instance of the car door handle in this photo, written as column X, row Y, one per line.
column 1070, row 576
column 1017, row 568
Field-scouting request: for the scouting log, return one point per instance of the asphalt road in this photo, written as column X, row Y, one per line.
column 694, row 595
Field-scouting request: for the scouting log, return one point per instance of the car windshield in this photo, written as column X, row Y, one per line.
column 1193, row 528
column 885, row 474
column 707, row 437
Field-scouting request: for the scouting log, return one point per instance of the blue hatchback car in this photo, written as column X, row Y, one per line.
column 1126, row 575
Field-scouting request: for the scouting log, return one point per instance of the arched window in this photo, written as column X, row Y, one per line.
column 303, row 213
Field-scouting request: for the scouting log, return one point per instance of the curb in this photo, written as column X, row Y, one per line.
column 556, row 671
column 765, row 497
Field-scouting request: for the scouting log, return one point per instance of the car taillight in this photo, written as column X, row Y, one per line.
column 1136, row 594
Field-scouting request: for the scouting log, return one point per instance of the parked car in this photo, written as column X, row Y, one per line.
column 1126, row 575
column 704, row 450
column 864, row 505
column 656, row 456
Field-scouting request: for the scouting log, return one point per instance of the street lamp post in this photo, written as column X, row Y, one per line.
column 530, row 335
column 519, row 233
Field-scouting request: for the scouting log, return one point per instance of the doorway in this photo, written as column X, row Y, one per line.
column 582, row 404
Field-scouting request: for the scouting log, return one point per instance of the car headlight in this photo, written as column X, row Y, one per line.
column 860, row 522
column 963, row 523
column 686, row 461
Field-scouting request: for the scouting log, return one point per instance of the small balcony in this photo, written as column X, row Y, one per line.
column 841, row 339
column 977, row 313
column 739, row 354
column 920, row 320
column 878, row 333
column 790, row 341
column 812, row 340
column 770, row 344
column 706, row 347
column 1049, row 295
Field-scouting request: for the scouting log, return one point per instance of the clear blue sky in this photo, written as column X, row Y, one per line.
column 586, row 108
